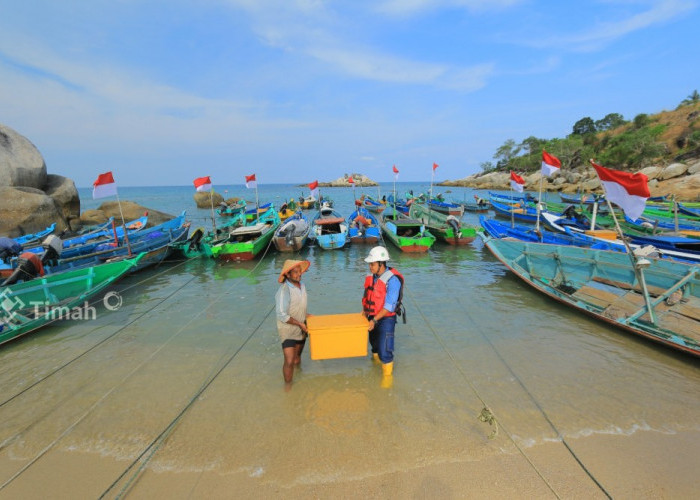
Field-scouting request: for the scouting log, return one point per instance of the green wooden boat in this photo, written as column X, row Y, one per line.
column 200, row 242
column 27, row 306
column 447, row 228
column 245, row 242
column 409, row 235
column 605, row 285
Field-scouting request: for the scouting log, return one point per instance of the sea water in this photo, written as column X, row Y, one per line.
column 175, row 389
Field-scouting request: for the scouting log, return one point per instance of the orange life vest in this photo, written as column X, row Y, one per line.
column 375, row 292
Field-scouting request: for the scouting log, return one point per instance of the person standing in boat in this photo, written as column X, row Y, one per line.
column 290, row 304
column 380, row 304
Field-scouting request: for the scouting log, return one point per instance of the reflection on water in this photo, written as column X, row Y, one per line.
column 204, row 333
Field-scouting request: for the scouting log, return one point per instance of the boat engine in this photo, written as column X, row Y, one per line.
column 454, row 222
column 28, row 267
column 53, row 247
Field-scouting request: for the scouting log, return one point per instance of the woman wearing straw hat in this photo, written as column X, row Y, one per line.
column 290, row 302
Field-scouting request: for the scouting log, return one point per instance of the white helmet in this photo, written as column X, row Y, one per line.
column 378, row 254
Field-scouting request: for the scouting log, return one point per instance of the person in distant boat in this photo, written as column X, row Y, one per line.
column 290, row 304
column 381, row 303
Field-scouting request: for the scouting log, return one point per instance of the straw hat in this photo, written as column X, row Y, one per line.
column 291, row 264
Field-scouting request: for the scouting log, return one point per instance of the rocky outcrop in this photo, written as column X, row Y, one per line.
column 130, row 209
column 360, row 180
column 31, row 200
column 204, row 199
column 21, row 164
column 678, row 179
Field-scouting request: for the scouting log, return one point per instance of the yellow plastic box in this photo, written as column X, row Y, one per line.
column 602, row 233
column 337, row 335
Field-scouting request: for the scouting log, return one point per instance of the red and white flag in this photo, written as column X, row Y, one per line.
column 351, row 180
column 104, row 186
column 435, row 166
column 396, row 172
column 314, row 189
column 516, row 182
column 250, row 181
column 202, row 183
column 550, row 164
column 628, row 191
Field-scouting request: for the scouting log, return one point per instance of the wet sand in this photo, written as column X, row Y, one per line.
column 179, row 394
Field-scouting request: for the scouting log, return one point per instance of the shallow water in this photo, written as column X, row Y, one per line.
column 186, row 376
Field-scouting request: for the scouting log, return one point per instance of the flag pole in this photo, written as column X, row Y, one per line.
column 637, row 266
column 512, row 208
column 211, row 201
column 539, row 202
column 394, row 196
column 257, row 203
column 126, row 235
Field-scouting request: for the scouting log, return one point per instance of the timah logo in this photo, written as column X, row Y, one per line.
column 9, row 306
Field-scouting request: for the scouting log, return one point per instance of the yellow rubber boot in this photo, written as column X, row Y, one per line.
column 375, row 357
column 388, row 369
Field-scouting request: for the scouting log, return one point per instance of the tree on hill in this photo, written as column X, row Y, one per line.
column 691, row 99
column 584, row 126
column 609, row 122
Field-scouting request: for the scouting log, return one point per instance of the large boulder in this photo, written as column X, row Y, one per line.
column 673, row 170
column 25, row 210
column 131, row 211
column 204, row 199
column 21, row 164
column 65, row 194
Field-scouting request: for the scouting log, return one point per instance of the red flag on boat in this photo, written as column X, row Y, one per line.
column 104, row 186
column 516, row 182
column 628, row 191
column 314, row 189
column 435, row 166
column 396, row 172
column 202, row 183
column 250, row 181
column 550, row 164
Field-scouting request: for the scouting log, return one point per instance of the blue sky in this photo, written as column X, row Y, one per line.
column 161, row 92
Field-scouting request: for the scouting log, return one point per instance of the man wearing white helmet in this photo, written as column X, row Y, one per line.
column 380, row 303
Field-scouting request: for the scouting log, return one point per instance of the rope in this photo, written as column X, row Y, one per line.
column 486, row 414
column 99, row 401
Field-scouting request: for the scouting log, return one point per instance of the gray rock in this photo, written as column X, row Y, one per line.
column 65, row 194
column 652, row 172
column 27, row 210
column 21, row 164
column 694, row 168
column 673, row 170
column 204, row 199
column 133, row 211
column 591, row 184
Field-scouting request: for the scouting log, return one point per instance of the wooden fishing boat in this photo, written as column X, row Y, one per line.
column 521, row 213
column 446, row 208
column 409, row 235
column 245, row 242
column 605, row 285
column 30, row 305
column 372, row 205
column 292, row 234
column 253, row 214
column 307, row 202
column 329, row 229
column 447, row 228
column 35, row 238
column 580, row 199
column 363, row 227
column 479, row 205
column 689, row 211
column 199, row 242
column 231, row 209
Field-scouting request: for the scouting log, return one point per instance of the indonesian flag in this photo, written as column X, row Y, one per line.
column 350, row 180
column 396, row 172
column 104, row 186
column 516, row 182
column 435, row 166
column 314, row 189
column 250, row 181
column 550, row 164
column 202, row 183
column 628, row 191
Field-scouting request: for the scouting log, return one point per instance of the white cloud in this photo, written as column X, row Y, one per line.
column 411, row 7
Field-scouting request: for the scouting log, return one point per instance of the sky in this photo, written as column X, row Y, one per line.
column 162, row 92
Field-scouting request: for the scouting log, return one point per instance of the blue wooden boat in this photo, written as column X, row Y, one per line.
column 524, row 213
column 665, row 224
column 253, row 214
column 691, row 212
column 606, row 286
column 372, row 205
column 400, row 205
column 329, row 229
column 506, row 198
column 363, row 227
column 28, row 239
column 581, row 199
column 446, row 208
